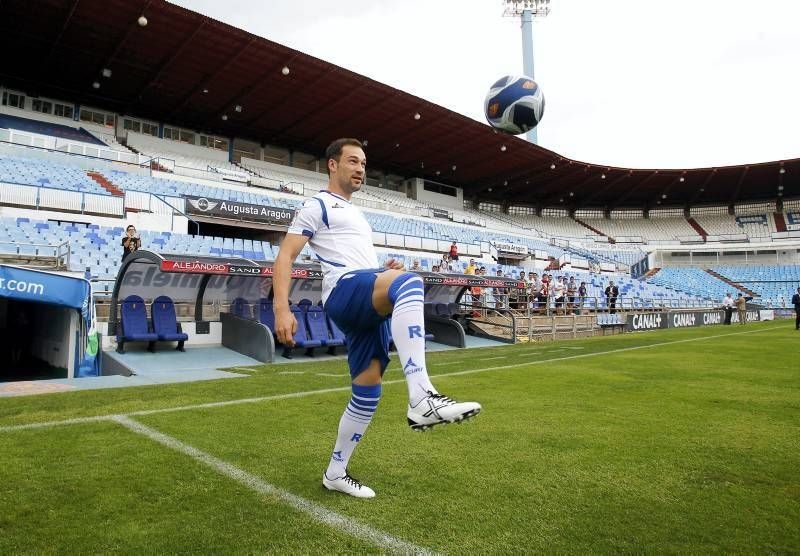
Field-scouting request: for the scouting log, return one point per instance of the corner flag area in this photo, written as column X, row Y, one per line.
column 682, row 440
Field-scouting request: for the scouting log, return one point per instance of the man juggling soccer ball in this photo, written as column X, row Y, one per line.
column 359, row 297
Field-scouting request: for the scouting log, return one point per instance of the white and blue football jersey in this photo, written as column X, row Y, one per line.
column 339, row 235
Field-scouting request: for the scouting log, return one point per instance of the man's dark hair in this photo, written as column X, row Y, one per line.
column 334, row 150
column 129, row 227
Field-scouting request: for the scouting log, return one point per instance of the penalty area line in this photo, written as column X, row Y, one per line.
column 339, row 522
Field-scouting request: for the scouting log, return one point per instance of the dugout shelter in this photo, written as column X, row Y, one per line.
column 45, row 319
column 230, row 293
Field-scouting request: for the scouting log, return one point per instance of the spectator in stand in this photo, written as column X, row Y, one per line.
column 471, row 268
column 572, row 289
column 533, row 289
column 741, row 307
column 131, row 242
column 796, row 303
column 454, row 251
column 544, row 292
column 727, row 306
column 435, row 268
column 444, row 265
column 415, row 265
column 559, row 291
column 612, row 293
column 581, row 297
column 500, row 294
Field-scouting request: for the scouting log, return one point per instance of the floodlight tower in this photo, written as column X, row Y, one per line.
column 526, row 10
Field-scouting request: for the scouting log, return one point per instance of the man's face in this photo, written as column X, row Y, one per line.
column 472, row 262
column 350, row 171
column 131, row 231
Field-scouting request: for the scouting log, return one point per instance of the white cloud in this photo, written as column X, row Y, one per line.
column 635, row 83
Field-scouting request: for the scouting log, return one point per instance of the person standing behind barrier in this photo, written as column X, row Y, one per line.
column 131, row 242
column 796, row 303
column 727, row 306
column 581, row 297
column 572, row 289
column 612, row 293
column 454, row 251
column 741, row 307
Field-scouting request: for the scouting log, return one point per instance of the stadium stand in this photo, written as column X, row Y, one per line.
column 38, row 127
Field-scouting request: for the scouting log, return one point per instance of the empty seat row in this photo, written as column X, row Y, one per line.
column 314, row 327
column 135, row 326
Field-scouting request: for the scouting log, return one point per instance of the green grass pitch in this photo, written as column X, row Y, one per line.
column 681, row 441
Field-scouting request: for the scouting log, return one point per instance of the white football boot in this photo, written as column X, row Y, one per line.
column 436, row 409
column 348, row 485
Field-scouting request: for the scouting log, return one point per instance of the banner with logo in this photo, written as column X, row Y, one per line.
column 681, row 319
column 440, row 213
column 221, row 208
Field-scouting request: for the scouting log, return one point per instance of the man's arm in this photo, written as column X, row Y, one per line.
column 285, row 323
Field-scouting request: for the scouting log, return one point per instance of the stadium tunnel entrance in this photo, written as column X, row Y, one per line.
column 45, row 319
column 228, row 300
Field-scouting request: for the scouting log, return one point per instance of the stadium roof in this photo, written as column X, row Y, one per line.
column 187, row 69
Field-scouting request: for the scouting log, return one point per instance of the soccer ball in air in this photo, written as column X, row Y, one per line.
column 514, row 104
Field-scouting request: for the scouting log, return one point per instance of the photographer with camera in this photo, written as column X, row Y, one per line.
column 131, row 242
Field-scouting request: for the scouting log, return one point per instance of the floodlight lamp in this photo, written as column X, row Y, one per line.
column 106, row 72
column 224, row 117
column 503, row 148
column 782, row 170
column 96, row 84
column 142, row 21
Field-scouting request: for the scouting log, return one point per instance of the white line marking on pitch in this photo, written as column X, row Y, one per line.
column 290, row 395
column 448, row 363
column 319, row 513
column 493, row 358
column 338, row 375
column 292, row 373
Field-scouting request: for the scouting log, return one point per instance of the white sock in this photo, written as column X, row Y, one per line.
column 352, row 426
column 408, row 332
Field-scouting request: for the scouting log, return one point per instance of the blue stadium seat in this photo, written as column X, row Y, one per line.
column 165, row 323
column 134, row 325
column 301, row 338
column 318, row 329
column 240, row 307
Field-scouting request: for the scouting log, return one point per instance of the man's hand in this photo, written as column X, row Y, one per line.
column 285, row 327
column 394, row 265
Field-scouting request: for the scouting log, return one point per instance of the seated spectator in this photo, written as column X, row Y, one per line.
column 471, row 268
column 415, row 265
column 435, row 268
column 131, row 242
column 445, row 265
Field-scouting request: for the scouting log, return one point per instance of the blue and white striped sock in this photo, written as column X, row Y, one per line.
column 352, row 426
column 407, row 294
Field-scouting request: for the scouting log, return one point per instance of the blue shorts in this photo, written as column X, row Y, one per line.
column 349, row 305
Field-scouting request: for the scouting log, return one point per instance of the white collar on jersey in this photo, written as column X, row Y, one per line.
column 335, row 195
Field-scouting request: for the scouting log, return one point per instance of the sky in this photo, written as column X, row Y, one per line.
column 631, row 83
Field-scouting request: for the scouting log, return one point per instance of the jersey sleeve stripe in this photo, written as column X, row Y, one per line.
column 324, row 211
